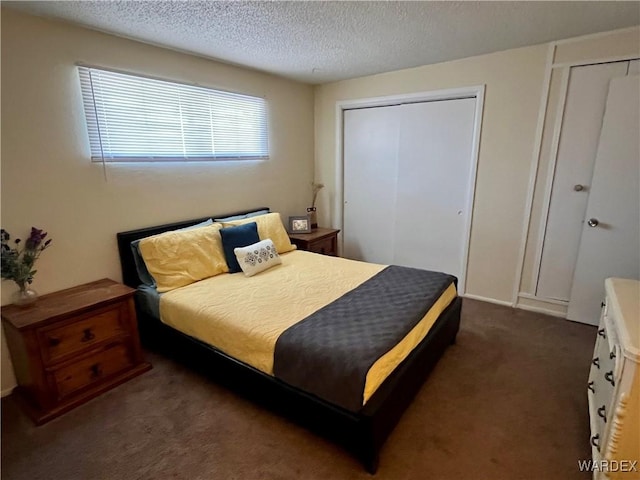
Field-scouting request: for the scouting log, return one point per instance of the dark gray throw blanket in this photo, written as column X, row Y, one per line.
column 330, row 352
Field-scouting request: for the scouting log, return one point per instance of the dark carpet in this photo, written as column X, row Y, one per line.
column 507, row 401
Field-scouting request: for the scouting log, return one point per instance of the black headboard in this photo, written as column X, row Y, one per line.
column 129, row 272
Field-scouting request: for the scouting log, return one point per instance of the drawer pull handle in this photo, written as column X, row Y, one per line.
column 54, row 342
column 602, row 305
column 95, row 370
column 602, row 414
column 596, row 362
column 590, row 387
column 612, row 355
column 601, row 333
column 595, row 441
column 609, row 377
column 88, row 335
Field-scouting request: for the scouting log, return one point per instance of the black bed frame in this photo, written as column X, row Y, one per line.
column 362, row 433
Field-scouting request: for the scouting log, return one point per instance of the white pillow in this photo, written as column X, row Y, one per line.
column 257, row 257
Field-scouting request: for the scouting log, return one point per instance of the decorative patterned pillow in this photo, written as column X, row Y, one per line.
column 257, row 257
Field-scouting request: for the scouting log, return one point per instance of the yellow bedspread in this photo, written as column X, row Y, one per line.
column 244, row 316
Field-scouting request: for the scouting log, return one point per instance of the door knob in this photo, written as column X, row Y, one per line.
column 593, row 222
column 578, row 188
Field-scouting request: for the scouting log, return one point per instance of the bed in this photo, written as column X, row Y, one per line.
column 359, row 420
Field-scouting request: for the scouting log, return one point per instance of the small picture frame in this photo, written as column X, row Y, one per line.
column 300, row 224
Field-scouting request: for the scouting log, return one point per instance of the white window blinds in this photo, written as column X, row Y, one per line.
column 133, row 118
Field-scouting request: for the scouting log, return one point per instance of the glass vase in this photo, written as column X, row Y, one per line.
column 313, row 216
column 25, row 296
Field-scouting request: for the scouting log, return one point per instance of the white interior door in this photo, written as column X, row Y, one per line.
column 371, row 138
column 582, row 121
column 434, row 172
column 610, row 242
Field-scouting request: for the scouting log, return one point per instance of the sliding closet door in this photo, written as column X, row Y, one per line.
column 434, row 172
column 407, row 179
column 370, row 176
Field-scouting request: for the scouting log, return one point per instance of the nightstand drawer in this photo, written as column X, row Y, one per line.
column 80, row 333
column 71, row 346
column 92, row 369
column 320, row 240
column 326, row 246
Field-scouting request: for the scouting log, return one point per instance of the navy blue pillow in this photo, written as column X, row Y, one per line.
column 236, row 237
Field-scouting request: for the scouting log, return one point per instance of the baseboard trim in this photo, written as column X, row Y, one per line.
column 546, row 311
column 7, row 391
column 528, row 296
column 487, row 299
column 555, row 308
column 520, row 306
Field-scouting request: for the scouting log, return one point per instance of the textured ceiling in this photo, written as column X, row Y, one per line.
column 318, row 42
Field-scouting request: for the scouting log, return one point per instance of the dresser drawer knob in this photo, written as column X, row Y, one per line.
column 596, row 362
column 601, row 333
column 612, row 355
column 590, row 386
column 96, row 371
column 595, row 441
column 88, row 335
column 602, row 414
column 609, row 377
column 54, row 342
column 602, row 304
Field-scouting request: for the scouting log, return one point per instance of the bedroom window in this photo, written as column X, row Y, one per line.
column 134, row 118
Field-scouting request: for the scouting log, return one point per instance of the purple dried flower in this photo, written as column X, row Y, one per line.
column 18, row 263
column 35, row 239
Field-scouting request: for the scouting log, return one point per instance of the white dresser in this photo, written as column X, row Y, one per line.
column 614, row 383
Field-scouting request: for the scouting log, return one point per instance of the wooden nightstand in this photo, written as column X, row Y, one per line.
column 73, row 345
column 320, row 240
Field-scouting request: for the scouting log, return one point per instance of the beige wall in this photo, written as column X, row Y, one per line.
column 514, row 81
column 48, row 180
